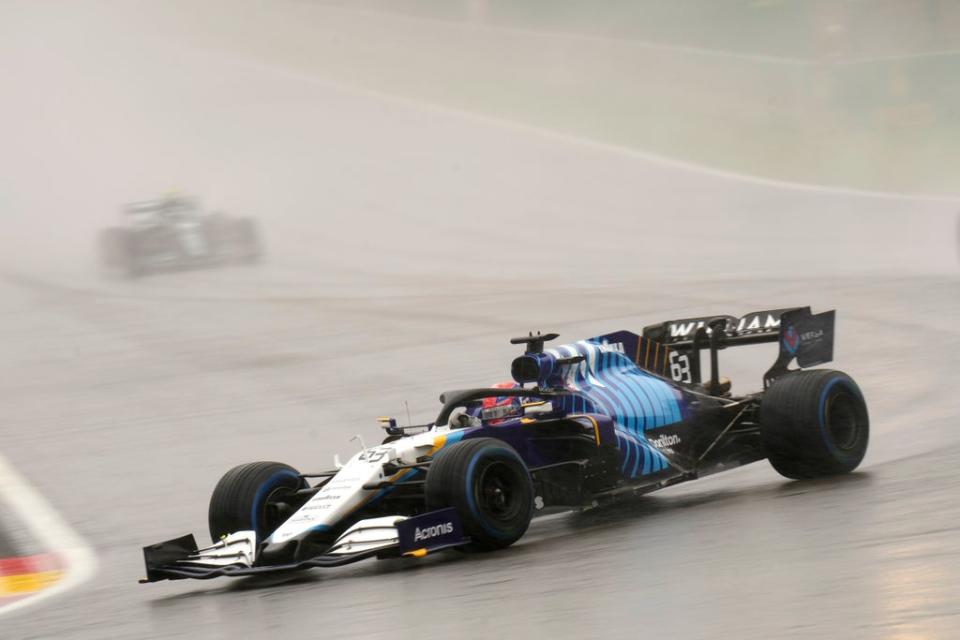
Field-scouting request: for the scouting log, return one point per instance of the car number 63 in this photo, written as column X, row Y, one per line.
column 680, row 367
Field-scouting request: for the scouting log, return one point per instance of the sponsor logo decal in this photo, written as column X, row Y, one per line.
column 666, row 440
column 606, row 347
column 432, row 532
column 346, row 482
column 320, row 503
column 791, row 340
column 761, row 322
column 682, row 330
column 758, row 322
column 302, row 517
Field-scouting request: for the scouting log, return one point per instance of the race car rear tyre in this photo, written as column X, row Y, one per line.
column 217, row 229
column 248, row 236
column 489, row 485
column 256, row 496
column 814, row 423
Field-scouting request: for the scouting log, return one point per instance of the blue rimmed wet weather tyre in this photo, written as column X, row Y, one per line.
column 257, row 496
column 489, row 485
column 814, row 423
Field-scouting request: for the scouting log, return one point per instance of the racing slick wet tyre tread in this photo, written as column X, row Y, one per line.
column 247, row 497
column 489, row 485
column 814, row 423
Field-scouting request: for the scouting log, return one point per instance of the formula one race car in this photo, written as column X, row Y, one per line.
column 172, row 233
column 580, row 424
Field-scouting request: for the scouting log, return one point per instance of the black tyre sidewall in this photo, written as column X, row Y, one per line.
column 851, row 456
column 453, row 482
column 239, row 501
column 796, row 429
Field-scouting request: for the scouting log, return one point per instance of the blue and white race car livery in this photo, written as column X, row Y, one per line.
column 579, row 424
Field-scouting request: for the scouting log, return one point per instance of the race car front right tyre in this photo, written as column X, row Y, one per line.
column 257, row 496
column 814, row 423
column 489, row 485
column 233, row 239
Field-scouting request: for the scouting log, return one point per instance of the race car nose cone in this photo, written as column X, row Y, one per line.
column 278, row 553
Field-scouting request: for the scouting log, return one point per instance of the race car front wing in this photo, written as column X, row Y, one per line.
column 236, row 554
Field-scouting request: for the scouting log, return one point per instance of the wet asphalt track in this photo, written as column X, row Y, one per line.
column 406, row 246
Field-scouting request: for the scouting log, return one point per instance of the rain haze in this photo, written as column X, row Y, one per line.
column 346, row 208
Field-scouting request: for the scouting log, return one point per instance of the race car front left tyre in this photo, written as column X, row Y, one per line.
column 489, row 485
column 233, row 239
column 257, row 496
column 814, row 423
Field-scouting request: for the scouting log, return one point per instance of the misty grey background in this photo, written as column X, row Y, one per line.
column 408, row 239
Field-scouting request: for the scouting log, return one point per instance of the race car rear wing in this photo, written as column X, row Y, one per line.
column 758, row 323
column 801, row 334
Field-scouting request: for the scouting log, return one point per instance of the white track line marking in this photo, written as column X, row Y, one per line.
column 46, row 525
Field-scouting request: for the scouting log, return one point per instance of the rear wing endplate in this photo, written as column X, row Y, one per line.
column 805, row 336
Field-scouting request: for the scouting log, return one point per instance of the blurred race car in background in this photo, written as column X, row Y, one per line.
column 173, row 233
column 581, row 424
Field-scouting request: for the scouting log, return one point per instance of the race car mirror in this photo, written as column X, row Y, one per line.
column 390, row 426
